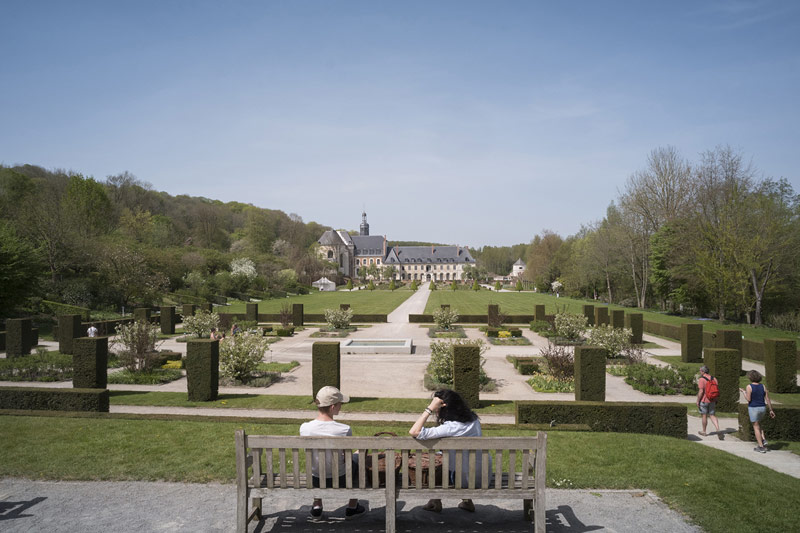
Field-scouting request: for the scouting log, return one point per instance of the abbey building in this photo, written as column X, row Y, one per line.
column 404, row 263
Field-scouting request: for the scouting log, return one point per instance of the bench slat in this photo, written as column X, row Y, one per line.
column 485, row 469
column 384, row 443
column 512, row 464
column 404, row 468
column 362, row 470
column 268, row 457
column 309, row 467
column 282, row 466
column 296, row 467
column 445, row 470
column 498, row 468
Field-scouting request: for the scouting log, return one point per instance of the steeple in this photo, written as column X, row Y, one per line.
column 364, row 225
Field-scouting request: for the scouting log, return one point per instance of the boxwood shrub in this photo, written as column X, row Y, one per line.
column 44, row 399
column 785, row 425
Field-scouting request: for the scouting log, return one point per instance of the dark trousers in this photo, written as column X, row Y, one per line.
column 342, row 479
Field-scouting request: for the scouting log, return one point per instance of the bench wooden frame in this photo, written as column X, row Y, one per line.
column 257, row 474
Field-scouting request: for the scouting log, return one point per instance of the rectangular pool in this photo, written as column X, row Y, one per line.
column 377, row 346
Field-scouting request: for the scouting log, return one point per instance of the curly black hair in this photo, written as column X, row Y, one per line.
column 455, row 407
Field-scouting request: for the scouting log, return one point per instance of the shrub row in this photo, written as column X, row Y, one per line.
column 785, row 425
column 663, row 330
column 494, row 332
column 288, row 331
column 44, row 399
column 471, row 319
column 525, row 365
column 320, row 318
column 56, row 308
column 622, row 417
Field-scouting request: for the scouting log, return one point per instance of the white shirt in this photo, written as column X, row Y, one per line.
column 451, row 428
column 321, row 428
column 92, row 332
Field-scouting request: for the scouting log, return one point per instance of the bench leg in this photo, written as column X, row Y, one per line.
column 527, row 510
column 256, row 504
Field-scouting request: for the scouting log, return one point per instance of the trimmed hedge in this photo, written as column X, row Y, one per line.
column 69, row 328
column 691, row 343
column 493, row 315
column 729, row 338
column 601, row 316
column 285, row 332
column 617, row 318
column 326, row 365
column 167, row 320
column 19, row 338
column 635, row 322
column 590, row 373
column 188, row 309
column 56, row 309
column 663, row 330
column 202, row 369
column 104, row 327
column 780, row 363
column 463, row 319
column 90, row 363
column 142, row 314
column 297, row 315
column 785, row 425
column 667, row 419
column 320, row 318
column 539, row 312
column 344, row 307
column 46, row 399
column 725, row 365
column 525, row 365
column 588, row 312
column 466, row 373
column 2, row 341
column 208, row 307
column 251, row 312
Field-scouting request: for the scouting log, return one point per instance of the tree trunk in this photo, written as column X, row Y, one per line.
column 759, row 293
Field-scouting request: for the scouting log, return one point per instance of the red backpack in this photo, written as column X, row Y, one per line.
column 712, row 389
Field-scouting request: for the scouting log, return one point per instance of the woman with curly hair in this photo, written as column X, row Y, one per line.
column 454, row 419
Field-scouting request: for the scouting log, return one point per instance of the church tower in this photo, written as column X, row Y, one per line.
column 364, row 225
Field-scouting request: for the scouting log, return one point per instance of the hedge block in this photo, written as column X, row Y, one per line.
column 344, row 307
column 45, row 399
column 34, row 337
column 588, row 312
column 141, row 314
column 635, row 322
column 590, row 373
column 780, row 364
column 601, row 316
column 90, row 363
column 168, row 320
column 725, row 364
column 539, row 312
column 285, row 332
column 297, row 315
column 691, row 343
column 2, row 341
column 19, row 339
column 466, row 373
column 624, row 417
column 208, row 307
column 251, row 312
column 618, row 318
column 493, row 314
column 202, row 369
column 188, row 310
column 729, row 338
column 326, row 362
column 785, row 425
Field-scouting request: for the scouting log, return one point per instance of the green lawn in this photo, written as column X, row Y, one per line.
column 718, row 491
column 522, row 303
column 361, row 302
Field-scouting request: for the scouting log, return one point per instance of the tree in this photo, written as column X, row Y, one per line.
column 127, row 273
column 392, row 286
column 519, row 286
column 498, row 286
column 20, row 268
column 87, row 206
column 542, row 267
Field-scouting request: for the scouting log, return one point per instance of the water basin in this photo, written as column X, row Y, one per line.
column 377, row 346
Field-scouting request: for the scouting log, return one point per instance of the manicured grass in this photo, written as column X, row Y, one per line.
column 361, row 302
column 522, row 303
column 722, row 496
column 277, row 367
column 266, row 401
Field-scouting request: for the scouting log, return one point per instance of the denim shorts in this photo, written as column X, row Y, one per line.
column 709, row 408
column 757, row 413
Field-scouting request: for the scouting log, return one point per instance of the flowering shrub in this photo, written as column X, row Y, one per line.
column 560, row 361
column 244, row 267
column 201, row 323
column 138, row 340
column 556, row 286
column 544, row 383
column 338, row 318
column 613, row 340
column 445, row 317
column 440, row 369
column 570, row 326
column 652, row 379
column 504, row 334
column 240, row 355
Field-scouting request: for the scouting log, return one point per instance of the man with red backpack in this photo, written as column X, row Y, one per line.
column 707, row 399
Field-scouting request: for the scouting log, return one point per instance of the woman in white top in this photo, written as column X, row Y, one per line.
column 455, row 419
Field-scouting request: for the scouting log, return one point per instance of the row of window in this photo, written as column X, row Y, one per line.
column 372, row 261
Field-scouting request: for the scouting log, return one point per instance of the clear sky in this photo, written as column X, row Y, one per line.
column 451, row 121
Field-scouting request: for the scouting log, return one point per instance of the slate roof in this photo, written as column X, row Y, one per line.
column 368, row 244
column 330, row 238
column 428, row 254
column 519, row 262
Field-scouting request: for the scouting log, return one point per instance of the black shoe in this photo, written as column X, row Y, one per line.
column 316, row 512
column 354, row 512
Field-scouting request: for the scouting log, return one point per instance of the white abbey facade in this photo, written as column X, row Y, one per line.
column 421, row 263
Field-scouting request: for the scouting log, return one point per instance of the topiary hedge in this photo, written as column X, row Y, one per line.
column 691, row 343
column 539, row 312
column 90, row 363
column 780, row 363
column 588, row 312
column 590, row 373
column 667, row 419
column 297, row 315
column 19, row 338
column 466, row 373
column 617, row 318
column 45, row 399
column 635, row 322
column 725, row 365
column 325, row 366
column 167, row 320
column 785, row 425
column 202, row 369
column 285, row 332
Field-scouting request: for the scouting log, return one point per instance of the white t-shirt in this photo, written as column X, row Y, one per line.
column 92, row 332
column 320, row 428
column 451, row 428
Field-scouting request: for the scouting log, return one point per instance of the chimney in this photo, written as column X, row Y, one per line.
column 431, row 248
column 384, row 246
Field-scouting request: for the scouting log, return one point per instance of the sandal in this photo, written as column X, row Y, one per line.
column 434, row 506
column 467, row 505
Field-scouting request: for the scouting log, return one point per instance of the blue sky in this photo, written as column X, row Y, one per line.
column 458, row 122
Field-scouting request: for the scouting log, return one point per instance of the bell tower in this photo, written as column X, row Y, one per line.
column 364, row 225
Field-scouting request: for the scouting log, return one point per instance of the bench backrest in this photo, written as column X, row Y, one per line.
column 280, row 458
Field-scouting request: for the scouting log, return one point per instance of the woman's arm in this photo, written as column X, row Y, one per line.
column 433, row 407
column 769, row 403
column 747, row 392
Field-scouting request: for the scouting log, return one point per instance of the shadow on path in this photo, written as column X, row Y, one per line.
column 12, row 510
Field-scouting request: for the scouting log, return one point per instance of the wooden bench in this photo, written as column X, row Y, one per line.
column 266, row 463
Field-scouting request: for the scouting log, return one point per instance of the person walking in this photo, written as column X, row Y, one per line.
column 707, row 406
column 757, row 401
column 92, row 331
column 454, row 419
column 329, row 402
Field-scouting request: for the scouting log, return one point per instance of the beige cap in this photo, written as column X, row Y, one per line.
column 331, row 396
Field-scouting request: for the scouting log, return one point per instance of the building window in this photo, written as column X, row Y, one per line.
column 330, row 254
column 371, row 261
column 379, row 261
column 358, row 262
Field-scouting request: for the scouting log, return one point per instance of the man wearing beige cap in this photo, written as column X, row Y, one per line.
column 329, row 402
